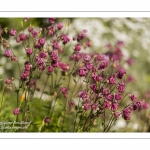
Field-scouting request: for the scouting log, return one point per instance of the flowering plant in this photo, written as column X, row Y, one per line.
column 85, row 86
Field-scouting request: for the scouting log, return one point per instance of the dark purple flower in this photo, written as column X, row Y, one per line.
column 81, row 35
column 22, row 36
column 24, row 75
column 93, row 87
column 118, row 96
column 114, row 106
column 42, row 54
column 47, row 120
column 40, row 61
column 132, row 97
column 94, row 106
column 110, row 97
column 51, row 20
column 121, row 73
column 103, row 64
column 107, row 104
column 30, row 29
column 126, row 113
column 111, row 80
column 120, row 89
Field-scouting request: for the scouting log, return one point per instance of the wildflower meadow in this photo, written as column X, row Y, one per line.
column 56, row 77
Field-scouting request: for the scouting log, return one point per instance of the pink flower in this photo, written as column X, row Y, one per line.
column 50, row 69
column 94, row 106
column 16, row 111
column 71, row 103
column 83, row 72
column 114, row 106
column 59, row 25
column 8, row 81
column 8, row 53
column 126, row 114
column 47, row 120
column 87, row 58
column 111, row 80
column 83, row 95
column 29, row 51
column 77, row 47
column 81, row 35
column 18, row 40
column 145, row 105
column 26, row 19
column 51, row 20
column 64, row 90
column 34, row 33
column 14, row 58
column 116, row 114
column 88, row 43
column 30, row 29
column 93, row 87
column 65, row 38
column 132, row 97
column 87, row 106
column 22, row 36
column 130, row 61
column 89, row 66
column 43, row 54
column 107, row 104
column 118, row 96
column 110, row 97
column 103, row 64
column 42, row 41
column 121, row 73
column 28, row 67
column 12, row 32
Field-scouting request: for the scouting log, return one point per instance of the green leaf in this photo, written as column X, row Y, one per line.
column 80, row 111
column 45, row 107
